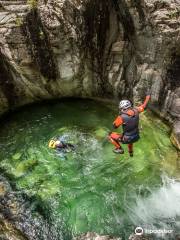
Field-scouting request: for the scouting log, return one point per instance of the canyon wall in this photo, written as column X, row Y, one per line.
column 91, row 48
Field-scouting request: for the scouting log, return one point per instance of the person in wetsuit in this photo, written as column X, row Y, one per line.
column 61, row 146
column 129, row 119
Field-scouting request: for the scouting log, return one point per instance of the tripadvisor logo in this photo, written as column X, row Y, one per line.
column 139, row 231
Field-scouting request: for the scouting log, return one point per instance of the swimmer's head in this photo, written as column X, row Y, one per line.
column 54, row 143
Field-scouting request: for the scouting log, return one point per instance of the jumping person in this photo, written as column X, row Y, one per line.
column 129, row 119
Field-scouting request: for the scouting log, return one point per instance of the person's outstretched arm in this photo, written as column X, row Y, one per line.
column 142, row 107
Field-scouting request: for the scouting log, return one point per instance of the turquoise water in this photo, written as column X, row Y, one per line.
column 91, row 189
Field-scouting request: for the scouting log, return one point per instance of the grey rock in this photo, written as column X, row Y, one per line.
column 91, row 49
column 17, row 220
column 16, row 8
column 175, row 136
column 175, row 108
column 136, row 237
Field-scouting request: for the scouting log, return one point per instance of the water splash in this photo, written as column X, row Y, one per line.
column 160, row 210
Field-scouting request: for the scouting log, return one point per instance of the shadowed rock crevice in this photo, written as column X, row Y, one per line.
column 173, row 73
column 139, row 6
column 96, row 23
column 171, row 84
column 7, row 82
column 39, row 45
column 125, row 18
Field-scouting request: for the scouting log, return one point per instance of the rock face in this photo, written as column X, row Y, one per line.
column 90, row 48
column 20, row 220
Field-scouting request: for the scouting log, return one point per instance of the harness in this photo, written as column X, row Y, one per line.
column 130, row 126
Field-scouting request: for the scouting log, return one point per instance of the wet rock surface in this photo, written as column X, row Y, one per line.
column 91, row 49
column 136, row 237
column 21, row 220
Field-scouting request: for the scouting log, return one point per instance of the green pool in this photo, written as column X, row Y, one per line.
column 92, row 189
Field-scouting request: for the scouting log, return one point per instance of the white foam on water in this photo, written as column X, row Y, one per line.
column 88, row 149
column 161, row 208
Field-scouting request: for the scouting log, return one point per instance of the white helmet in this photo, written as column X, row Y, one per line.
column 125, row 104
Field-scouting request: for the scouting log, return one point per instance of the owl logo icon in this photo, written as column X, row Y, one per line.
column 139, row 231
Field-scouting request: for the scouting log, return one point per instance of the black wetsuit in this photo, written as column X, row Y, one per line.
column 63, row 147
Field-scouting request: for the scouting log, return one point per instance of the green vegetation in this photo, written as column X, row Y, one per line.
column 32, row 3
column 19, row 21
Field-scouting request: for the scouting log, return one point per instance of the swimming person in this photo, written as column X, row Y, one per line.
column 129, row 119
column 60, row 145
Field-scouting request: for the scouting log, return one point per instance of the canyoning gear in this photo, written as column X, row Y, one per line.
column 130, row 125
column 52, row 143
column 66, row 146
column 116, row 139
column 130, row 122
column 129, row 119
column 125, row 104
column 55, row 144
column 116, row 136
column 130, row 147
column 131, row 154
column 60, row 145
column 119, row 120
column 130, row 139
column 119, row 150
column 58, row 142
